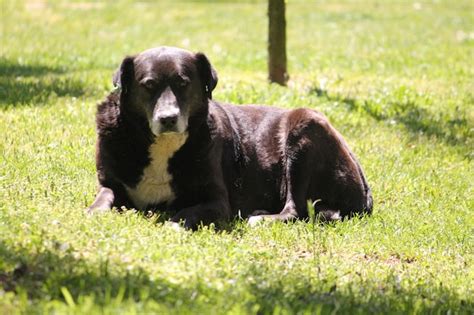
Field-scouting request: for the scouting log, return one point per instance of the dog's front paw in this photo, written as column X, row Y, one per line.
column 255, row 220
column 186, row 223
column 95, row 210
column 186, row 218
column 175, row 226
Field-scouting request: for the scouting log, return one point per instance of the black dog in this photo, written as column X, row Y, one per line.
column 164, row 144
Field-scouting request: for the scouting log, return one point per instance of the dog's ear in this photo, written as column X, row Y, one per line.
column 207, row 74
column 116, row 78
column 124, row 75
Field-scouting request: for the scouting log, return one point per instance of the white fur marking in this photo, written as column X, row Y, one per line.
column 154, row 186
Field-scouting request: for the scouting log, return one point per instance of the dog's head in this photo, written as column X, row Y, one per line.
column 167, row 86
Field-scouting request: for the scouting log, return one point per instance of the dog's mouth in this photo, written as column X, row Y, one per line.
column 167, row 132
column 166, row 129
column 159, row 128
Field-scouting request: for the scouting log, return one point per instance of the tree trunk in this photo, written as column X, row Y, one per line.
column 277, row 42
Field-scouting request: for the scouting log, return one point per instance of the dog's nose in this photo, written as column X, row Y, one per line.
column 169, row 121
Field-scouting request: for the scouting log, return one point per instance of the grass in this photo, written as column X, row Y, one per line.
column 395, row 77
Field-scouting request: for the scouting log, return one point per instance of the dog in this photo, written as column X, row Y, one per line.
column 164, row 144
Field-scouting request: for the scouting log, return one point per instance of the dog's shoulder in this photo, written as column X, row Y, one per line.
column 122, row 145
column 218, row 114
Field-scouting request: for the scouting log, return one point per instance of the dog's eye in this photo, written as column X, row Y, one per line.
column 149, row 84
column 182, row 82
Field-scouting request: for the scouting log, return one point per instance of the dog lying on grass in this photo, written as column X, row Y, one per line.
column 164, row 144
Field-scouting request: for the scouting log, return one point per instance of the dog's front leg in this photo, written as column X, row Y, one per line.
column 204, row 213
column 103, row 201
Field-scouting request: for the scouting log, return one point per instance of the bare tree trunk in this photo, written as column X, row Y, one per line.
column 277, row 42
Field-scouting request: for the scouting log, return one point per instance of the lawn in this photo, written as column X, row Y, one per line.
column 395, row 77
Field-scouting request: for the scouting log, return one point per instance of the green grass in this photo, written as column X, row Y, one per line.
column 395, row 77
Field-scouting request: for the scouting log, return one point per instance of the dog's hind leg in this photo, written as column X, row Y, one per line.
column 295, row 203
column 291, row 211
column 296, row 182
column 324, row 213
column 287, row 214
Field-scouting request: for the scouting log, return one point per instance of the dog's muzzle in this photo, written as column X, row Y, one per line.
column 168, row 123
column 167, row 116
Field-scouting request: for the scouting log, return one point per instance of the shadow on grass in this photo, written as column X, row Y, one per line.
column 34, row 84
column 40, row 276
column 452, row 128
column 14, row 69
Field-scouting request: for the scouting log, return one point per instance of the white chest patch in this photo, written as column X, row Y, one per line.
column 155, row 185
